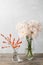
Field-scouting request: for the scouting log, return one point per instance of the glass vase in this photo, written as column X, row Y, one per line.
column 16, row 57
column 29, row 53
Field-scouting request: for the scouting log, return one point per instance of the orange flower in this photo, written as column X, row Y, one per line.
column 15, row 46
column 4, row 42
column 5, row 46
column 12, row 41
column 10, row 35
column 18, row 41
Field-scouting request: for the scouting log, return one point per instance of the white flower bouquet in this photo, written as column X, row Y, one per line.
column 29, row 30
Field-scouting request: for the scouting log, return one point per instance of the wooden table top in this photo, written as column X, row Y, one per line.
column 6, row 59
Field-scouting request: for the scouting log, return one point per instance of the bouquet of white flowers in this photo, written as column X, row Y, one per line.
column 29, row 30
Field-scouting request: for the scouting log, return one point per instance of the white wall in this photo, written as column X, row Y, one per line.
column 14, row 11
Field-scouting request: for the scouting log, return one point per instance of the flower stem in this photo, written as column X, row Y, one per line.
column 29, row 49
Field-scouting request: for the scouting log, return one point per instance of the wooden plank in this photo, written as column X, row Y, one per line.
column 6, row 59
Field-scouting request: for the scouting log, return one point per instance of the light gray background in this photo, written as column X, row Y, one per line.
column 14, row 11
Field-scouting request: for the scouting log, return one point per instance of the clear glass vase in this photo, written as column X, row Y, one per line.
column 29, row 53
column 16, row 57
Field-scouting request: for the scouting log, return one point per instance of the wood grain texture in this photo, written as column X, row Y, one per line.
column 6, row 59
